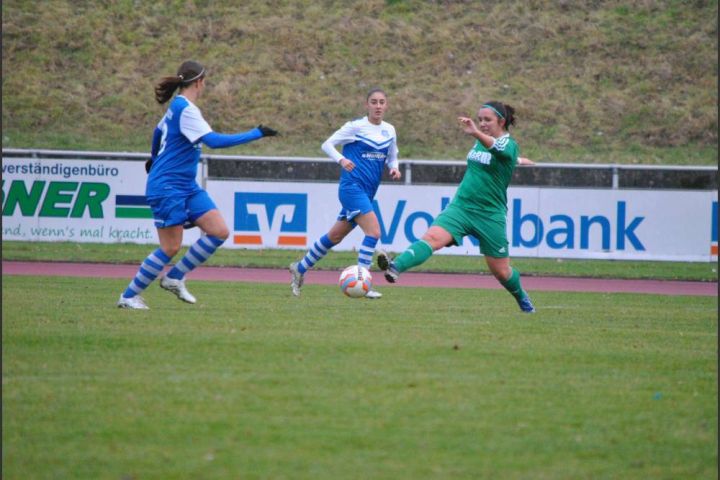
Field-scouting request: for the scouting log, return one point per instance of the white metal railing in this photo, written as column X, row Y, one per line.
column 406, row 163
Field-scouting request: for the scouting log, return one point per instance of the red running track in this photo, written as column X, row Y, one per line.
column 408, row 279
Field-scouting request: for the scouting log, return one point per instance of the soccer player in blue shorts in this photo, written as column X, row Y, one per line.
column 368, row 145
column 172, row 191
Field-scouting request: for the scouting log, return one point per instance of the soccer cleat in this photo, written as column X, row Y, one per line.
column 134, row 303
column 178, row 288
column 373, row 295
column 526, row 305
column 296, row 279
column 387, row 266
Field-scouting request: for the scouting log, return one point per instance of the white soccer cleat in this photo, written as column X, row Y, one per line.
column 296, row 279
column 178, row 288
column 373, row 295
column 134, row 303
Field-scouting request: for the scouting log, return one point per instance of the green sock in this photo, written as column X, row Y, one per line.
column 513, row 286
column 416, row 254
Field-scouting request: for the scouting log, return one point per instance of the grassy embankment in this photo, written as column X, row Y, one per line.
column 608, row 82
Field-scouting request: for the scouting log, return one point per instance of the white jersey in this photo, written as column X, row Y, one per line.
column 370, row 147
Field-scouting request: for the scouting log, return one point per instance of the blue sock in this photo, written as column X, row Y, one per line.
column 149, row 270
column 319, row 249
column 367, row 249
column 198, row 253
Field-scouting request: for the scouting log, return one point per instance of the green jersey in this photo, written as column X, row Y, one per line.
column 489, row 170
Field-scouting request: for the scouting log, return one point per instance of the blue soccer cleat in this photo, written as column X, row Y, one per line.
column 526, row 305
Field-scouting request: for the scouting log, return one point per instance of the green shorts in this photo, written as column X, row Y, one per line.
column 491, row 232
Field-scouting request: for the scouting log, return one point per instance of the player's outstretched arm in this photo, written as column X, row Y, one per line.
column 225, row 140
column 525, row 161
column 469, row 127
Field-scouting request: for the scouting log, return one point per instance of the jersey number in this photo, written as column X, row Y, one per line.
column 163, row 138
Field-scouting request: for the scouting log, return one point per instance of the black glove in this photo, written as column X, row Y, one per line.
column 267, row 131
column 148, row 165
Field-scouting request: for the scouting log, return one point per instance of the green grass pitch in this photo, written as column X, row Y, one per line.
column 252, row 383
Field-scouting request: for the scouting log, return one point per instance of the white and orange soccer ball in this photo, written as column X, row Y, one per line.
column 355, row 281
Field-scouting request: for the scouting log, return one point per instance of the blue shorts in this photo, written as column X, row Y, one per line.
column 354, row 202
column 175, row 210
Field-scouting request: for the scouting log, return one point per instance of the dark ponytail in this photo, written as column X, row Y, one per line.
column 506, row 112
column 188, row 73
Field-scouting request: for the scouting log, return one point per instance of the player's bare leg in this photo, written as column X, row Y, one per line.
column 510, row 279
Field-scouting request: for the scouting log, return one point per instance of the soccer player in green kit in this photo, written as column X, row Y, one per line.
column 480, row 204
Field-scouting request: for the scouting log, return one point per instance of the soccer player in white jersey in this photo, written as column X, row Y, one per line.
column 172, row 191
column 369, row 144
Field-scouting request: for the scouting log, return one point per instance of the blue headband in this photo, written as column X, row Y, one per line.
column 494, row 110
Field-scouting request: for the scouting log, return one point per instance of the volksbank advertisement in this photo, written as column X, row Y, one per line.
column 95, row 201
column 542, row 222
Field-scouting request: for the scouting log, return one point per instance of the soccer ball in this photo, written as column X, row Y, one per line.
column 355, row 281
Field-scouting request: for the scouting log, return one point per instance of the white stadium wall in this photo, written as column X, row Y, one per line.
column 96, row 201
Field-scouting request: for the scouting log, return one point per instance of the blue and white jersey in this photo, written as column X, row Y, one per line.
column 370, row 147
column 175, row 168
